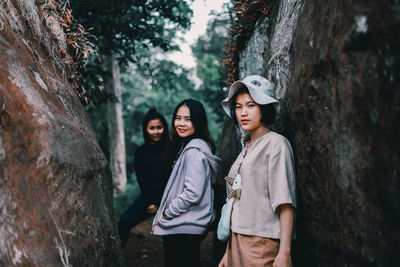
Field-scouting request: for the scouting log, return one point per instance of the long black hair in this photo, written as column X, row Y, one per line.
column 199, row 120
column 153, row 114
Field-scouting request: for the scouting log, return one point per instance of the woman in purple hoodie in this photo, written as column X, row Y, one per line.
column 186, row 208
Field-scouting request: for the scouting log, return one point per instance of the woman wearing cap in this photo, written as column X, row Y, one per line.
column 186, row 208
column 151, row 173
column 263, row 209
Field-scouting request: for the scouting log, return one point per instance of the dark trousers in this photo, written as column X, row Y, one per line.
column 182, row 250
column 134, row 215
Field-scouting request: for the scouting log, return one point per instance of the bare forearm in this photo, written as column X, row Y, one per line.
column 286, row 216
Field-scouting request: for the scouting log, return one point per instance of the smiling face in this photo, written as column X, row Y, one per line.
column 183, row 124
column 155, row 130
column 248, row 112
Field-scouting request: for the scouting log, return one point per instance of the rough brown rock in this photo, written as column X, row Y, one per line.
column 55, row 184
column 345, row 101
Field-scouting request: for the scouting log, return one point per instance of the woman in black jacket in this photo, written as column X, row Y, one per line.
column 150, row 167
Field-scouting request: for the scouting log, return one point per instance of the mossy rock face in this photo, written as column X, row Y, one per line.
column 335, row 67
column 55, row 184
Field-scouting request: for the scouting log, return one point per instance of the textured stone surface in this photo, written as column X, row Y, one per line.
column 268, row 53
column 336, row 68
column 55, row 184
column 345, row 100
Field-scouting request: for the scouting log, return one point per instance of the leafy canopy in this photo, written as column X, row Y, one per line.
column 122, row 25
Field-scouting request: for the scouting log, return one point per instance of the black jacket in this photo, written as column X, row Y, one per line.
column 149, row 172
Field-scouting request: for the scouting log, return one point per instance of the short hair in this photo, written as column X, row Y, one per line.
column 267, row 111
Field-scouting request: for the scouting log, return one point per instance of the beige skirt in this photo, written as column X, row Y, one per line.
column 251, row 251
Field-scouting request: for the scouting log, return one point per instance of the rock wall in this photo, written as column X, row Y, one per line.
column 335, row 66
column 345, row 101
column 55, row 184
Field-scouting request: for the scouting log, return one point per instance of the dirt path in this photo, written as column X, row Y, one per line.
column 145, row 250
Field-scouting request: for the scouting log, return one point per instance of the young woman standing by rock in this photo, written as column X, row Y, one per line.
column 263, row 210
column 186, row 208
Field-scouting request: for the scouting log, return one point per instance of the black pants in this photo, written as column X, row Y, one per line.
column 182, row 250
column 134, row 215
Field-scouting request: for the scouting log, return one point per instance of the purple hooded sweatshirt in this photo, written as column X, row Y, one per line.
column 188, row 196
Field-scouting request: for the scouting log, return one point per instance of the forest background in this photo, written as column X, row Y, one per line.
column 139, row 39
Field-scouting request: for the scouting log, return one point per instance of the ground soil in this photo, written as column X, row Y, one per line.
column 145, row 250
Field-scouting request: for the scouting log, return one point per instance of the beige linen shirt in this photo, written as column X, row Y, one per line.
column 267, row 181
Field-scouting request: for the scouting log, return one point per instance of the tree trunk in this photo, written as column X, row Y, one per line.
column 116, row 126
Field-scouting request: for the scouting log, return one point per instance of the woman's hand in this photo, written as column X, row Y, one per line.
column 152, row 209
column 224, row 261
column 283, row 260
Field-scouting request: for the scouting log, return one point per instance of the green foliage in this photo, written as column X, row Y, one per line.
column 209, row 51
column 121, row 26
column 153, row 81
column 121, row 29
